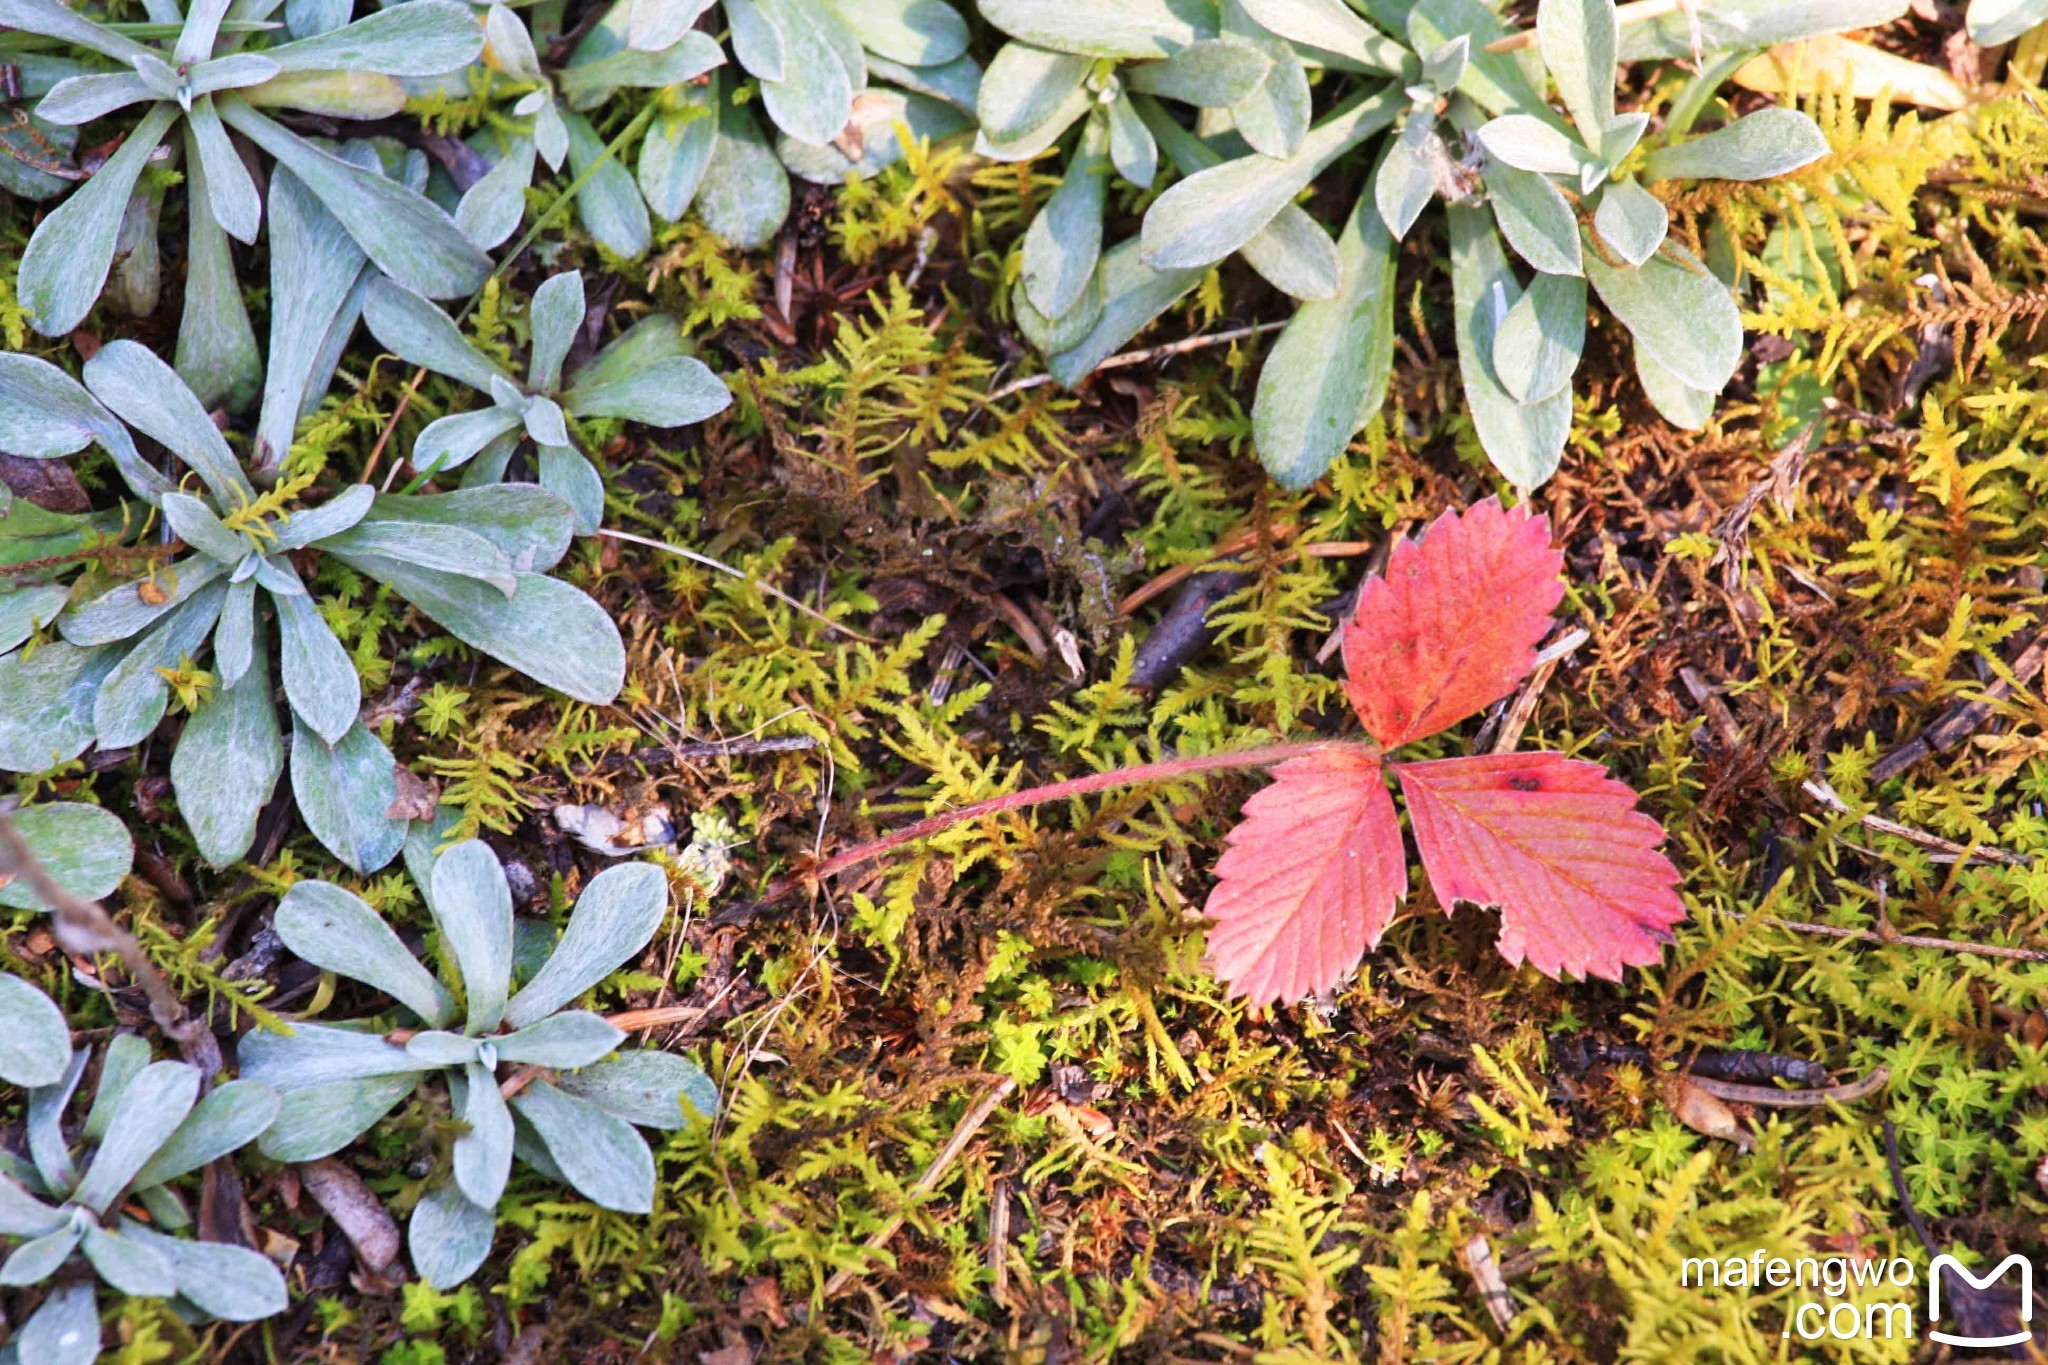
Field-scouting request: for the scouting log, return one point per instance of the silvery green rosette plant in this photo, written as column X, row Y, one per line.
column 573, row 1104
column 1408, row 118
column 646, row 375
column 84, row 849
column 147, row 1126
column 816, row 68
column 211, row 77
column 473, row 561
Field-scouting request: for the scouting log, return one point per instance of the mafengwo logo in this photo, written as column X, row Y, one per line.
column 1842, row 1298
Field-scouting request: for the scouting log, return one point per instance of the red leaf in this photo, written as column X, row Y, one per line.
column 1313, row 873
column 1558, row 846
column 1453, row 624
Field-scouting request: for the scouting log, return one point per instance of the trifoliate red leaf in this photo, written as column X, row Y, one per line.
column 1559, row 846
column 1453, row 624
column 1312, row 875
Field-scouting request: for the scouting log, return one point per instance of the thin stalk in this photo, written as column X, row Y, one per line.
column 1264, row 756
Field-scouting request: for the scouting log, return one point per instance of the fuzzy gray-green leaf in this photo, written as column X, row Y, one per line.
column 1536, row 346
column 343, row 793
column 614, row 918
column 227, row 763
column 35, row 1042
column 334, row 930
column 598, row 1153
column 65, row 263
column 449, row 1236
column 1525, row 441
column 1678, row 312
column 645, row 1087
column 1756, row 146
column 472, row 906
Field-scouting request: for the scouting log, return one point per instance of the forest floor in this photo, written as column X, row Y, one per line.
column 981, row 1102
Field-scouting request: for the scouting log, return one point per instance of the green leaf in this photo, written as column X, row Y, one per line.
column 26, row 610
column 1132, row 149
column 585, row 83
column 316, row 1055
column 314, row 525
column 1535, row 217
column 133, row 696
column 1274, row 118
column 1528, row 143
column 344, row 791
column 232, row 1283
column 575, row 480
column 35, row 1042
column 1750, row 25
column 148, row 395
column 1685, row 407
column 314, row 265
column 1991, row 22
column 234, row 635
column 228, row 1118
column 320, row 679
column 1106, row 28
column 81, row 99
column 483, row 1155
column 44, row 412
column 47, row 1147
column 1525, row 441
column 1213, row 73
column 529, row 525
column 1330, row 25
column 1406, row 179
column 449, row 1236
column 1631, row 221
column 54, row 19
column 813, row 97
column 1328, row 372
column 878, row 115
column 421, row 38
column 615, row 918
column 334, row 930
column 1216, row 211
column 1025, row 88
column 1498, row 82
column 151, row 1108
column 675, row 153
column 320, row 1120
column 491, row 210
column 646, row 1087
column 21, row 1213
column 419, row 333
column 1755, row 147
column 1684, row 318
column 1133, row 293
column 555, row 317
column 745, row 194
column 86, row 851
column 609, row 203
column 570, row 1039
column 1537, row 345
column 913, row 32
column 450, row 549
column 1064, row 241
column 65, row 1329
column 472, row 907
column 660, row 390
column 228, row 191
column 756, row 40
column 1579, row 39
column 46, row 698
column 35, row 1261
column 227, row 763
column 1051, row 335
column 409, row 237
column 66, row 262
column 128, row 1266
column 126, row 1055
column 599, row 1154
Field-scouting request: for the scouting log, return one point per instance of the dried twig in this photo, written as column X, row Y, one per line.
column 85, row 930
column 963, row 1132
column 1150, row 353
column 1940, row 945
column 708, row 562
column 1516, row 718
column 1959, row 722
column 1945, row 850
column 1770, row 1097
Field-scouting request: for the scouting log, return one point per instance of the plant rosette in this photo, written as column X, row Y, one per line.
column 147, row 1126
column 570, row 1109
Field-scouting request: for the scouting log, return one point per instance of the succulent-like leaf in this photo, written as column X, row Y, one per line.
column 47, row 1147
column 65, row 1330
column 1212, row 73
column 226, row 1119
column 1631, row 221
column 483, row 1155
column 438, row 1047
column 232, row 1283
column 35, row 1042
column 528, row 525
column 314, row 265
column 1328, row 372
column 1133, row 293
column 22, row 1214
column 422, row 38
column 334, row 930
column 1407, row 176
column 419, row 333
column 1676, row 401
column 86, row 851
column 320, row 1120
column 65, row 264
column 913, row 32
column 599, row 1154
column 343, row 793
column 26, row 610
column 1132, row 149
column 1752, row 26
column 1579, row 39
column 1064, row 241
column 81, row 99
column 1109, row 28
column 575, row 480
column 319, row 677
column 148, row 395
column 675, row 153
column 409, row 237
column 615, row 917
column 1677, row 311
column 1274, row 118
column 1215, row 212
column 1536, row 347
column 48, row 716
column 666, row 391
column 1555, row 843
column 1329, row 25
column 1422, row 650
column 125, row 1057
column 757, row 41
column 151, row 1108
column 1314, row 872
column 583, row 83
column 449, row 1236
column 1528, row 143
column 1536, row 219
column 1031, row 93
column 54, row 19
column 35, row 1261
column 123, row 613
column 570, row 1039
column 609, row 203
column 450, row 549
column 1525, row 441
column 556, row 316
column 490, row 211
column 646, row 1087
column 129, row 1266
column 1756, row 146
column 745, row 193
column 472, row 907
